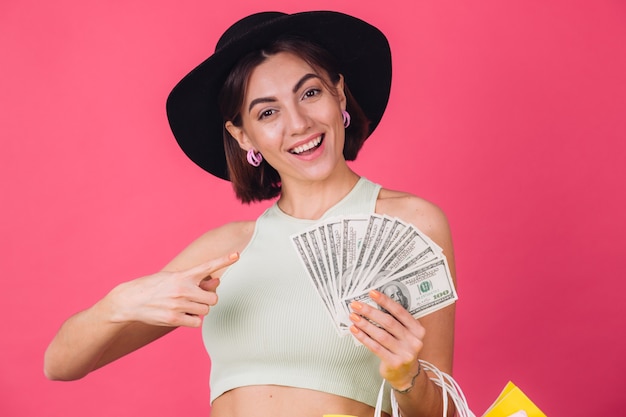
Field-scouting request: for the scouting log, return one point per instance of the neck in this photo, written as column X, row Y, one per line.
column 311, row 199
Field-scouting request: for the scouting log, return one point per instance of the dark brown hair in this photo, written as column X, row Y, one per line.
column 263, row 182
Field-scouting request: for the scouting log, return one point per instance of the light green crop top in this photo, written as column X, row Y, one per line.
column 270, row 326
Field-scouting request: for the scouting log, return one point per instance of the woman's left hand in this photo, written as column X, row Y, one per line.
column 397, row 341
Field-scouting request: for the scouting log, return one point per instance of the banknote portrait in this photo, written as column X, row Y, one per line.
column 397, row 292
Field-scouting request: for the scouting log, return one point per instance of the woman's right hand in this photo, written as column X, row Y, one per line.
column 134, row 314
column 167, row 298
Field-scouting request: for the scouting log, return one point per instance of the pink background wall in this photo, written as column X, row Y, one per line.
column 508, row 114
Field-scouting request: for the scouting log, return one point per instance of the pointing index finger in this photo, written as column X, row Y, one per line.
column 204, row 271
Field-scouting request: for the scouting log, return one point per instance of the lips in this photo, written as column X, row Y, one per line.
column 312, row 144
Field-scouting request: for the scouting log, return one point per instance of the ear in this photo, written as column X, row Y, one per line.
column 341, row 94
column 239, row 135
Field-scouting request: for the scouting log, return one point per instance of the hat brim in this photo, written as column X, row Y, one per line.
column 362, row 52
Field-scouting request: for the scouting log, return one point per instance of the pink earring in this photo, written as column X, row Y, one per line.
column 346, row 118
column 254, row 158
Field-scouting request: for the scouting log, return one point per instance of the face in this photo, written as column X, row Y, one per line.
column 395, row 294
column 292, row 117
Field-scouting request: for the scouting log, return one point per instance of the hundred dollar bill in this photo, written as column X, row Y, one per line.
column 332, row 229
column 353, row 232
column 319, row 235
column 369, row 264
column 391, row 234
column 384, row 231
column 409, row 249
column 357, row 271
column 421, row 291
column 307, row 258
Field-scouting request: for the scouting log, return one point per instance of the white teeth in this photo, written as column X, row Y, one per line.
column 310, row 145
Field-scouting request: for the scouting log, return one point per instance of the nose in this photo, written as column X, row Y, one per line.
column 298, row 120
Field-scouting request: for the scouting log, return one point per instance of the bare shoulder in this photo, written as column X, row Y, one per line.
column 423, row 214
column 228, row 238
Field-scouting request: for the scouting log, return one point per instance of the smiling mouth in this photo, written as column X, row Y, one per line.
column 313, row 144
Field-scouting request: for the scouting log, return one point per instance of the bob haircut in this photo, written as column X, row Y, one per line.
column 263, row 182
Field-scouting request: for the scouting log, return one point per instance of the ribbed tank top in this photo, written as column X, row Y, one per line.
column 270, row 327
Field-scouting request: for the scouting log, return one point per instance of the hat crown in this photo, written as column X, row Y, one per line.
column 242, row 27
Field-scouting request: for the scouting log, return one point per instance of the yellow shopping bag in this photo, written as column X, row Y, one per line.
column 511, row 401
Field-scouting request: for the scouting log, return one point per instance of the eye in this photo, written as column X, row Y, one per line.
column 266, row 113
column 312, row 92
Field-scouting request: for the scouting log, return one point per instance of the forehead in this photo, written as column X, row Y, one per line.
column 282, row 70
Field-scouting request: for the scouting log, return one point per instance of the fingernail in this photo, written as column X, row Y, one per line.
column 233, row 256
column 355, row 317
column 356, row 305
column 375, row 295
column 354, row 330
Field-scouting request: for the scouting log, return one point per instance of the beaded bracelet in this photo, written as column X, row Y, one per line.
column 405, row 391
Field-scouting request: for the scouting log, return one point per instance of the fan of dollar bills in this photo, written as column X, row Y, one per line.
column 346, row 257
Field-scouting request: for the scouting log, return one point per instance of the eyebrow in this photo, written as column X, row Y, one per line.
column 295, row 88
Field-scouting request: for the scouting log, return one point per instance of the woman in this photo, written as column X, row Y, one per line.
column 276, row 90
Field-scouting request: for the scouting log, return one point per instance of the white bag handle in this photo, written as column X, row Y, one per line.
column 448, row 385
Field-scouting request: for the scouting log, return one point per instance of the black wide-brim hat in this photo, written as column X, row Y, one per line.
column 361, row 50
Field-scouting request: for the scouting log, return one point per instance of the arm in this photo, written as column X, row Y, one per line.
column 402, row 340
column 140, row 311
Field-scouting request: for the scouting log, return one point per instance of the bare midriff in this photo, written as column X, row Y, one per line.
column 280, row 401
